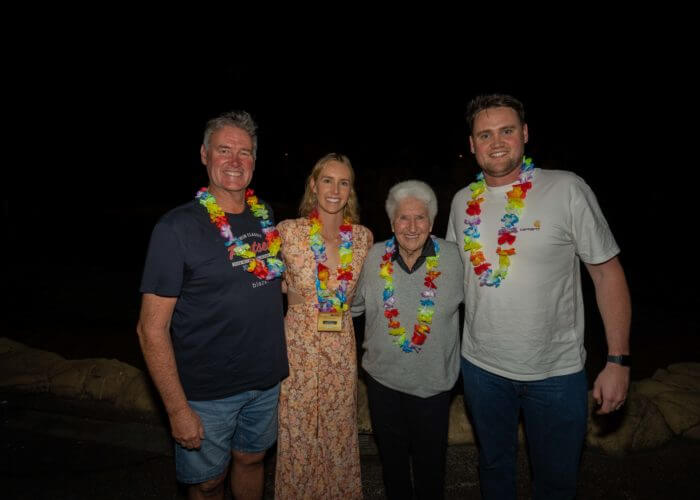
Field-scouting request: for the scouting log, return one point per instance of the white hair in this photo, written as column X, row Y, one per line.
column 411, row 189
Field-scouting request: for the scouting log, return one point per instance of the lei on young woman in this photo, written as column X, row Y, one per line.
column 333, row 301
column 515, row 203
column 426, row 309
column 269, row 269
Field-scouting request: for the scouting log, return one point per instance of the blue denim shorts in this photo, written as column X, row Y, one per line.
column 245, row 422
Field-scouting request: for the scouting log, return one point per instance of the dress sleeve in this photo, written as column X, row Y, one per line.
column 286, row 230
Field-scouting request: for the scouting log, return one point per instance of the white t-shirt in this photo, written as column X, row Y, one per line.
column 531, row 326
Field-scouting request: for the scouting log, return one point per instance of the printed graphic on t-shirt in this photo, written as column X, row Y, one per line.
column 245, row 261
column 257, row 247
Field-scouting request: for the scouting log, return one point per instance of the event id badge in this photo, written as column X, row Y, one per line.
column 330, row 322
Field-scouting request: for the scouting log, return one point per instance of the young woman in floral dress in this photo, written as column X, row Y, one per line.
column 317, row 447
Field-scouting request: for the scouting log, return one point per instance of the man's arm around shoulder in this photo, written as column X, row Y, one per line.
column 154, row 336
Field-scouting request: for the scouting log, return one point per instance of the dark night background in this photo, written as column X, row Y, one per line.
column 107, row 140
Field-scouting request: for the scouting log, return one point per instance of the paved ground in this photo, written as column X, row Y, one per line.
column 63, row 454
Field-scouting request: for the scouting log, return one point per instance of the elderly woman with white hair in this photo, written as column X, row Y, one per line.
column 410, row 291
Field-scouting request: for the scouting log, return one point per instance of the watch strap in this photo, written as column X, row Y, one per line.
column 620, row 359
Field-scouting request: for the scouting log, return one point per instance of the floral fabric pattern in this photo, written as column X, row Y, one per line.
column 317, row 447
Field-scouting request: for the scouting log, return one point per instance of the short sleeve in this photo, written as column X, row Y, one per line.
column 165, row 263
column 450, row 234
column 594, row 241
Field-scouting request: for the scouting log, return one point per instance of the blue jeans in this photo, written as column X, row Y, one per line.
column 555, row 412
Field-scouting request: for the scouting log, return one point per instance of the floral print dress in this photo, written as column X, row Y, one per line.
column 317, row 448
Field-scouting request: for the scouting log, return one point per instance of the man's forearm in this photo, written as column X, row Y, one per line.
column 158, row 352
column 613, row 298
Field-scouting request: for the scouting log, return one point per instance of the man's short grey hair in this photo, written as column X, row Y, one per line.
column 411, row 189
column 238, row 119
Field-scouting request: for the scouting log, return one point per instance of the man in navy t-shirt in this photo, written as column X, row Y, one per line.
column 211, row 325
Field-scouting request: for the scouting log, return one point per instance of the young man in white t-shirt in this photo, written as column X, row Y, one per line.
column 523, row 231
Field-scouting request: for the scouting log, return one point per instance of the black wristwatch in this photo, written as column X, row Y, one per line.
column 620, row 359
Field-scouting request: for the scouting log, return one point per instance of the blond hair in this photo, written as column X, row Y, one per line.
column 309, row 201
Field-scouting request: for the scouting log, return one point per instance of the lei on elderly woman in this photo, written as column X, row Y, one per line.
column 410, row 291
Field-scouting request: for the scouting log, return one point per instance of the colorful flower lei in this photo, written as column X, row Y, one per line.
column 506, row 234
column 329, row 301
column 272, row 267
column 427, row 300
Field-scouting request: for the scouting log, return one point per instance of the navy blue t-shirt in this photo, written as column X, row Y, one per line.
column 227, row 328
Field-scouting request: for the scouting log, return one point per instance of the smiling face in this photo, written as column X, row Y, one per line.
column 332, row 187
column 229, row 160
column 498, row 143
column 411, row 226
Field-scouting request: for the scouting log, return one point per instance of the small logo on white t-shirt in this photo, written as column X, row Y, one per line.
column 535, row 226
